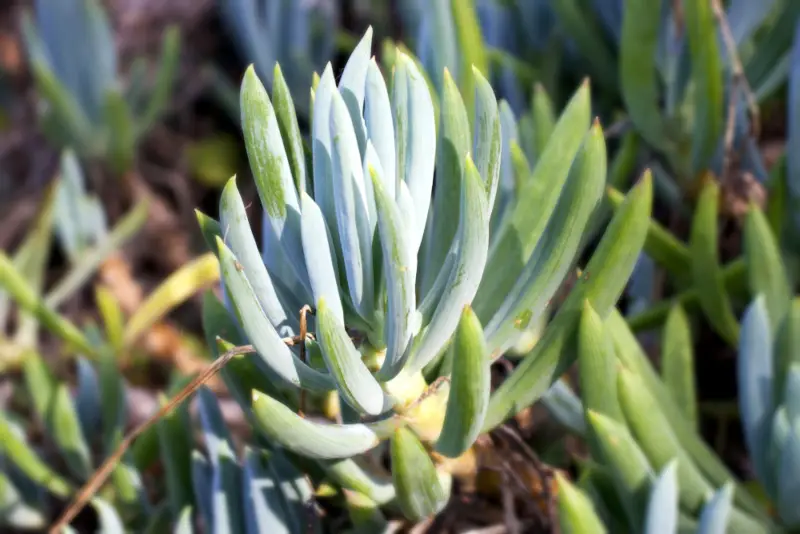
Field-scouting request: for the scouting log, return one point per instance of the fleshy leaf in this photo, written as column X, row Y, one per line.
column 470, row 386
column 419, row 492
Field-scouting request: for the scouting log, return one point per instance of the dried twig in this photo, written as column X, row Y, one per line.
column 303, row 330
column 99, row 477
column 738, row 82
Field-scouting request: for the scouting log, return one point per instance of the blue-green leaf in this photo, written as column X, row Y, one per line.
column 415, row 139
column 755, row 375
column 380, row 126
column 353, row 379
column 662, row 508
column 473, row 243
column 399, row 266
column 715, row 514
column 419, row 491
column 312, row 439
column 351, row 206
column 270, row 347
column 238, row 235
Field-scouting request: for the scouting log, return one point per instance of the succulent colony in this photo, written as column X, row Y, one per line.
column 396, row 280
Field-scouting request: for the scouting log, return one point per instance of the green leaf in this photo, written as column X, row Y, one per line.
column 544, row 119
column 112, row 316
column 167, row 68
column 464, row 277
column 364, row 513
column 707, row 79
column 399, row 267
column 415, row 140
column 268, row 344
column 271, row 169
column 419, row 491
column 176, row 289
column 351, row 476
column 632, row 474
column 453, row 145
column 312, row 439
column 677, row 363
column 705, row 266
column 175, row 441
column 661, row 245
column 604, row 279
column 27, row 299
column 576, row 514
column 353, row 379
column 556, row 252
column 487, row 142
column 641, row 27
column 19, row 452
column 238, row 235
column 290, row 129
column 86, row 266
column 632, row 356
column 471, row 50
column 512, row 248
column 53, row 405
column 122, row 139
column 659, row 442
column 598, row 366
column 470, row 386
column 765, row 266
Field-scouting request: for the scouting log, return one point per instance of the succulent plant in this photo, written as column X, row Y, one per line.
column 769, row 396
column 660, row 512
column 85, row 105
column 650, row 471
column 300, row 36
column 409, row 293
column 81, row 428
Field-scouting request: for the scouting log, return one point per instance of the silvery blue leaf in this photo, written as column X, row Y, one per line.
column 320, row 261
column 271, row 349
column 352, row 86
column 789, row 478
column 88, row 399
column 662, row 507
column 110, row 522
column 415, row 139
column 264, row 506
column 398, row 262
column 745, row 17
column 202, row 487
column 351, row 208
column 238, row 235
column 755, row 375
column 473, row 239
column 566, row 407
column 380, row 126
column 715, row 514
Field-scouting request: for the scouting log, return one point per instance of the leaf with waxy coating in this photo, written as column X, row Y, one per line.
column 311, row 439
column 470, row 386
column 419, row 492
column 353, row 379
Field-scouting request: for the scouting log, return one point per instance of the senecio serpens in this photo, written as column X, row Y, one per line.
column 411, row 296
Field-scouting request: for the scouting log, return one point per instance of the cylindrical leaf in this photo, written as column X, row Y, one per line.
column 419, row 492
column 470, row 385
column 576, row 514
column 677, row 363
